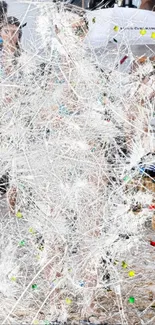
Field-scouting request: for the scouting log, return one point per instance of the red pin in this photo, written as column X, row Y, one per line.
column 152, row 206
column 122, row 61
column 152, row 243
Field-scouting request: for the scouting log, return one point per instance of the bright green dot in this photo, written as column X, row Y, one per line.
column 143, row 32
column 19, row 214
column 153, row 35
column 22, row 243
column 131, row 300
column 126, row 178
column 34, row 286
column 116, row 28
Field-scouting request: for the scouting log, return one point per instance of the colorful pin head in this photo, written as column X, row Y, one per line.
column 152, row 206
column 94, row 20
column 131, row 273
column 38, row 257
column 68, row 301
column 34, row 286
column 82, row 283
column 126, row 178
column 152, row 243
column 32, row 231
column 22, row 243
column 131, row 300
column 116, row 28
column 124, row 265
column 19, row 214
column 36, row 322
column 143, row 32
column 13, row 278
column 142, row 170
column 153, row 35
column 63, row 110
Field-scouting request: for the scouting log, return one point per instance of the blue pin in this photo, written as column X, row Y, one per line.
column 142, row 170
column 1, row 43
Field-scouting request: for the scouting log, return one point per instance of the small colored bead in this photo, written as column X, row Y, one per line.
column 131, row 273
column 124, row 265
column 152, row 243
column 131, row 300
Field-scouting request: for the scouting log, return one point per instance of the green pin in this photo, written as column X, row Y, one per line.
column 131, row 300
column 22, row 243
column 126, row 178
column 34, row 286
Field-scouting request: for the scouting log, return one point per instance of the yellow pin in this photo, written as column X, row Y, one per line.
column 68, row 301
column 143, row 32
column 32, row 231
column 19, row 214
column 131, row 274
column 116, row 28
column 13, row 278
column 153, row 35
column 124, row 265
column 38, row 257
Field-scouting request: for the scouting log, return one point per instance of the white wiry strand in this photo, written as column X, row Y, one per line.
column 72, row 137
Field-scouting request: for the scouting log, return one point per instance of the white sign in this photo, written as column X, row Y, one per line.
column 120, row 25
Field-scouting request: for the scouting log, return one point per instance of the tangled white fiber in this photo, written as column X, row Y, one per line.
column 71, row 137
